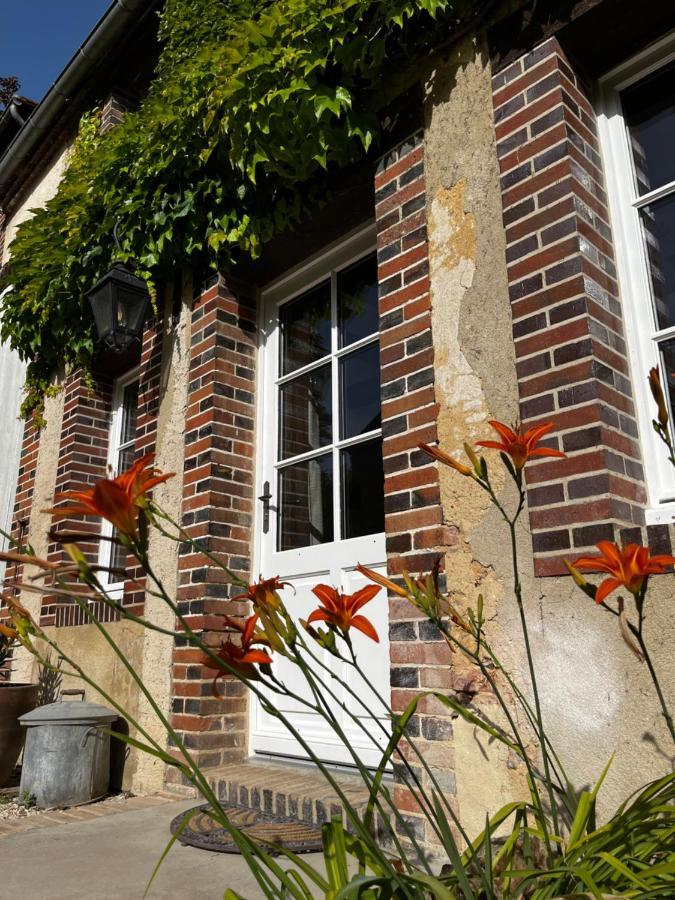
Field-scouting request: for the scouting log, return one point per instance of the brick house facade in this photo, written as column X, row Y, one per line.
column 571, row 364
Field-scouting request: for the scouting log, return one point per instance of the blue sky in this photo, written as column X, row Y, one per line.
column 38, row 38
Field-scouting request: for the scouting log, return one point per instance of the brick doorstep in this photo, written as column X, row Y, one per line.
column 285, row 789
column 106, row 807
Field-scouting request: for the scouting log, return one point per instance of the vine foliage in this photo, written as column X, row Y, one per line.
column 253, row 103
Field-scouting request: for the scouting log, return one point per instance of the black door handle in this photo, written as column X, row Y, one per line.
column 265, row 498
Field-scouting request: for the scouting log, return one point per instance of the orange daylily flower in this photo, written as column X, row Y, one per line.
column 243, row 657
column 6, row 631
column 628, row 567
column 115, row 499
column 446, row 459
column 657, row 394
column 520, row 445
column 340, row 609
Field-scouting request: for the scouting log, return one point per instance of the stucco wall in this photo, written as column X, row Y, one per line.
column 42, row 190
column 148, row 772
column 597, row 697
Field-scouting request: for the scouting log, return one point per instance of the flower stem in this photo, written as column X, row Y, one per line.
column 665, row 712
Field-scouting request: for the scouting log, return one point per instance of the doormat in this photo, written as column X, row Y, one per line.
column 269, row 830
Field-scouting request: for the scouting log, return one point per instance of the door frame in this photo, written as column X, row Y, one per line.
column 303, row 276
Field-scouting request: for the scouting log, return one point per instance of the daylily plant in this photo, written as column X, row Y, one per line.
column 553, row 848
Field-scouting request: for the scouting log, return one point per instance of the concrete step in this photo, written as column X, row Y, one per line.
column 286, row 789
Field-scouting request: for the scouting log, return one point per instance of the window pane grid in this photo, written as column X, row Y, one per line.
column 121, row 456
column 341, row 449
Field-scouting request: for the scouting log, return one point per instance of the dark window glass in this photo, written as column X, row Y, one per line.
column 667, row 349
column 306, row 503
column 649, row 108
column 129, row 412
column 306, row 412
column 658, row 228
column 305, row 328
column 362, row 489
column 360, row 391
column 357, row 301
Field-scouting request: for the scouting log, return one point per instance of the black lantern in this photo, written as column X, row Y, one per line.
column 119, row 302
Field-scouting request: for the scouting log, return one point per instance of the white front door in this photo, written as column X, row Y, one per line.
column 320, row 472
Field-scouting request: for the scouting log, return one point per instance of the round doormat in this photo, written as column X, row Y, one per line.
column 204, row 832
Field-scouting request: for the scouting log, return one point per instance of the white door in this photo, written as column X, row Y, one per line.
column 321, row 477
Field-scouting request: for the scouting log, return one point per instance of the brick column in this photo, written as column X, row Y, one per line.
column 217, row 510
column 572, row 364
column 149, row 395
column 83, row 459
column 415, row 533
column 23, row 500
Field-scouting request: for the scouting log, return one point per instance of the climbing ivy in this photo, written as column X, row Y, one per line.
column 253, row 105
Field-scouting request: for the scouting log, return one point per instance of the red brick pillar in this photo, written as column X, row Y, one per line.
column 83, row 459
column 572, row 364
column 415, row 533
column 217, row 510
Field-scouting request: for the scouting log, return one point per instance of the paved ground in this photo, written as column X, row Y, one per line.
column 112, row 856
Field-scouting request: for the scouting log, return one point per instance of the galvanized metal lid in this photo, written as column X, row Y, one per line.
column 69, row 712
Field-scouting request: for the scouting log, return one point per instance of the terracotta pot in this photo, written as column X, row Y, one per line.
column 15, row 700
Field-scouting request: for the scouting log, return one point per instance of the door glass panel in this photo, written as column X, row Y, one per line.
column 360, row 391
column 306, row 503
column 362, row 489
column 129, row 412
column 357, row 301
column 658, row 228
column 305, row 328
column 306, row 412
column 650, row 112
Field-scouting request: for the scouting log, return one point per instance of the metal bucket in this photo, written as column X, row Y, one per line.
column 66, row 760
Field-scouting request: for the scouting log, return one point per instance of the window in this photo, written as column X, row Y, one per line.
column 637, row 128
column 120, row 457
column 329, row 462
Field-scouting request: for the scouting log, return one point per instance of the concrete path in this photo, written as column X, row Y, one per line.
column 113, row 856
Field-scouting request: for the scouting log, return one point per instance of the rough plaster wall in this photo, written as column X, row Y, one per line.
column 87, row 647
column 39, row 522
column 42, row 191
column 596, row 697
column 157, row 648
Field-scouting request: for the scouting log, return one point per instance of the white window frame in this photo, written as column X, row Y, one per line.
column 312, row 272
column 633, row 265
column 115, row 589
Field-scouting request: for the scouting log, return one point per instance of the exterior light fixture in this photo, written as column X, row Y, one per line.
column 119, row 302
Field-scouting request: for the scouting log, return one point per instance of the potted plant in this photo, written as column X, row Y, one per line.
column 16, row 698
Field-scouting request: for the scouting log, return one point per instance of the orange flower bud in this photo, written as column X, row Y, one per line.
column 657, row 394
column 446, row 459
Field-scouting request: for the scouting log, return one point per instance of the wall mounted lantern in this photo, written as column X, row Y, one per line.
column 119, row 302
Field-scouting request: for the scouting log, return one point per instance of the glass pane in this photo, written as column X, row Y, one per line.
column 118, row 560
column 305, row 328
column 306, row 412
column 360, row 391
column 129, row 411
column 667, row 350
column 650, row 113
column 357, row 301
column 362, row 489
column 125, row 459
column 658, row 225
column 306, row 503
